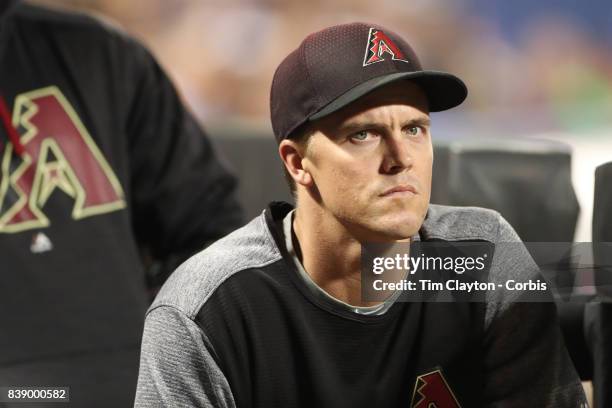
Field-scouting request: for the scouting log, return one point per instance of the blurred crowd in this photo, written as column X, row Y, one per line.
column 546, row 69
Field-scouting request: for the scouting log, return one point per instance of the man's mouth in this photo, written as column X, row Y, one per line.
column 403, row 189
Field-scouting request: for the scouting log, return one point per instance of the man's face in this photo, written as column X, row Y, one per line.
column 371, row 163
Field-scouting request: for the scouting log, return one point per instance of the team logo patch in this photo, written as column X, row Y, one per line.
column 59, row 155
column 380, row 47
column 432, row 391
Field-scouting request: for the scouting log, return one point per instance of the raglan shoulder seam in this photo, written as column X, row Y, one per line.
column 198, row 278
column 192, row 315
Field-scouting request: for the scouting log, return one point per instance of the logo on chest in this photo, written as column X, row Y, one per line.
column 431, row 390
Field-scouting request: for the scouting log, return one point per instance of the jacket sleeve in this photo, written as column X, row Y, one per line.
column 182, row 194
column 177, row 367
column 526, row 361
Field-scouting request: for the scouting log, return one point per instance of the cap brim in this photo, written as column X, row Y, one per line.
column 443, row 90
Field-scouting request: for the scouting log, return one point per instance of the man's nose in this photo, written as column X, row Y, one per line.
column 397, row 156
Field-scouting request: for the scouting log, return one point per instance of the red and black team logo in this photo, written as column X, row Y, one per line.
column 432, row 391
column 58, row 154
column 378, row 45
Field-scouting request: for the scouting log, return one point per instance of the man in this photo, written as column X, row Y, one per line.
column 99, row 162
column 272, row 315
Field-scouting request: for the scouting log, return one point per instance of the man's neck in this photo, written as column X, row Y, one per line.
column 330, row 254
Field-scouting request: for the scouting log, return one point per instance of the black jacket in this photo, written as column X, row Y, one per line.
column 108, row 163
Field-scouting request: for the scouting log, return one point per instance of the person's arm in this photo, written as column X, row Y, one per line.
column 182, row 195
column 526, row 361
column 177, row 365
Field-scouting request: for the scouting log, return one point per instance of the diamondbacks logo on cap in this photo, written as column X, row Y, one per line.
column 432, row 391
column 378, row 45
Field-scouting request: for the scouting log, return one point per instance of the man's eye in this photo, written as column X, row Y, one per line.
column 414, row 130
column 360, row 136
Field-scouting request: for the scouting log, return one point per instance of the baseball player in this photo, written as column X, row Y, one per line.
column 99, row 160
column 272, row 315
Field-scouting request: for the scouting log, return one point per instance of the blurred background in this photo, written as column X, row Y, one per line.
column 536, row 124
column 535, row 69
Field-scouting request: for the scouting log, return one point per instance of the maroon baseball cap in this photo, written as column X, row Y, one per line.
column 335, row 66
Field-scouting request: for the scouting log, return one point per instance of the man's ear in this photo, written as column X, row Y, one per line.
column 292, row 155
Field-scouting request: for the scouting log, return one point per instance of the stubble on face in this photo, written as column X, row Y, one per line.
column 371, row 174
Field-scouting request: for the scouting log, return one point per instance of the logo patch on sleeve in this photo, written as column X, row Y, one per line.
column 431, row 390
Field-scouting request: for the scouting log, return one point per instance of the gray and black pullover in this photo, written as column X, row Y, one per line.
column 237, row 326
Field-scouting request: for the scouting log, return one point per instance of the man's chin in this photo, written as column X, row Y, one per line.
column 393, row 232
column 384, row 237
column 400, row 228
